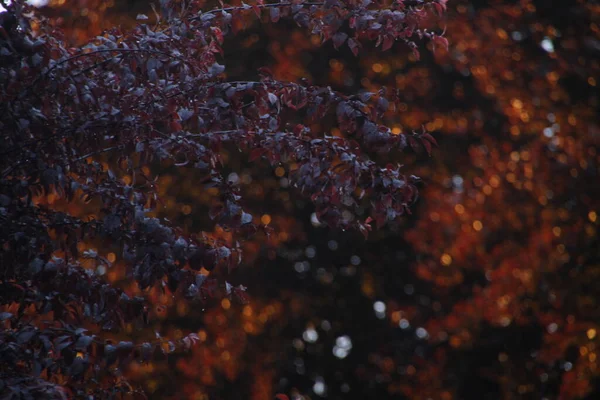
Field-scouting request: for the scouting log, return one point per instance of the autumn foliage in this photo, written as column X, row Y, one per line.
column 87, row 130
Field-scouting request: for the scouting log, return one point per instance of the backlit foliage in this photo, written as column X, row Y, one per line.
column 496, row 294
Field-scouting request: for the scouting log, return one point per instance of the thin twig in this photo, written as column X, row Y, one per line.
column 95, row 153
column 91, row 53
column 270, row 5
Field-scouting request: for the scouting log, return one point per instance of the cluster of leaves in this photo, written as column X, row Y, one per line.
column 89, row 125
column 495, row 295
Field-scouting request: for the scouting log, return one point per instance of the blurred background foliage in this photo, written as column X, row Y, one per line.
column 490, row 290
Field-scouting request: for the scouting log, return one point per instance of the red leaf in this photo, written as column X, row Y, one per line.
column 426, row 136
column 256, row 154
column 281, row 396
column 427, row 146
column 440, row 41
column 388, row 42
column 218, row 34
column 175, row 126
